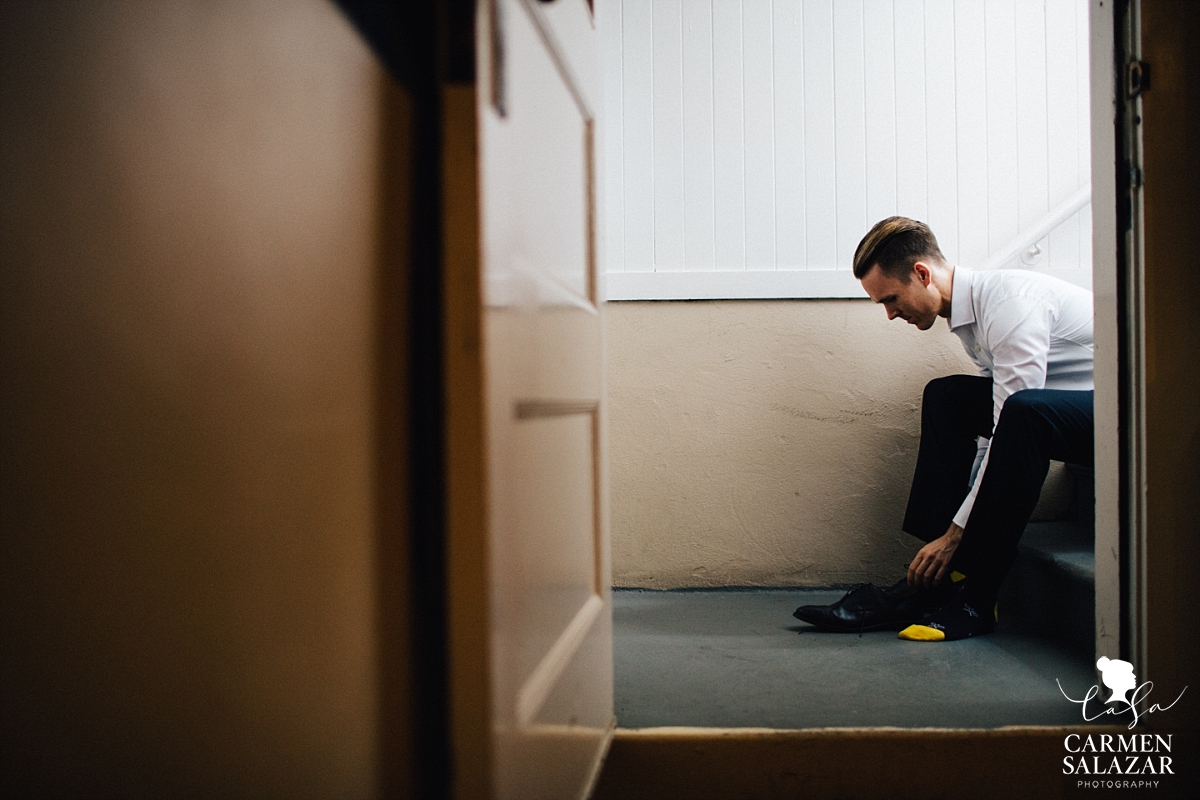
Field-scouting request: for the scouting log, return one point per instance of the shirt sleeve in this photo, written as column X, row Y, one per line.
column 1017, row 334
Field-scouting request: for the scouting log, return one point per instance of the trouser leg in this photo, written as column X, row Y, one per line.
column 954, row 410
column 1035, row 426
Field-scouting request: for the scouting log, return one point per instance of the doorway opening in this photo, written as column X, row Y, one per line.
column 763, row 421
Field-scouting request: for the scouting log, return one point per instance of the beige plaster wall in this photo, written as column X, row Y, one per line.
column 765, row 443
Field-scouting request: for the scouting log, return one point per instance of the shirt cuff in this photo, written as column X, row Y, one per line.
column 964, row 511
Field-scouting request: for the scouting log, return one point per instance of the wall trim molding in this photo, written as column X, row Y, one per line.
column 811, row 284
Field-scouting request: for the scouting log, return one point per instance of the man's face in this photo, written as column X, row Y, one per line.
column 916, row 301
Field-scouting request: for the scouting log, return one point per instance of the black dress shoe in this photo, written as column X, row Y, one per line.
column 868, row 607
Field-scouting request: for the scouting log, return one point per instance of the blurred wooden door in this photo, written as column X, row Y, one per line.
column 550, row 598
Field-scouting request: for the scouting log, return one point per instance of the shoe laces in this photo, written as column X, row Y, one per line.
column 856, row 593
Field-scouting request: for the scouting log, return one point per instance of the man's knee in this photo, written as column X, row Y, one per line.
column 1067, row 413
column 1024, row 398
column 946, row 389
column 1057, row 423
column 1024, row 403
column 1033, row 411
column 1024, row 409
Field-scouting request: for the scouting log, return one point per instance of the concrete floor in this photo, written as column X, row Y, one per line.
column 738, row 658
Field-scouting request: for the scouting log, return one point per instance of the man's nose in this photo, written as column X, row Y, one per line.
column 892, row 311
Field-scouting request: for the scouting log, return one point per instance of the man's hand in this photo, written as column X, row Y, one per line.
column 933, row 562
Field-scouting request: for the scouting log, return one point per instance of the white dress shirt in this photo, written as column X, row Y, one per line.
column 1024, row 330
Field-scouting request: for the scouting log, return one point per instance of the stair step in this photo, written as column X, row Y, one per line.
column 1053, row 583
column 1066, row 546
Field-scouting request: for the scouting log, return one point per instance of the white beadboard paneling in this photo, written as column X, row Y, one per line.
column 1002, row 167
column 850, row 110
column 729, row 167
column 970, row 70
column 820, row 189
column 1063, row 123
column 698, row 210
column 1063, row 245
column 637, row 107
column 1033, row 199
column 611, row 155
column 758, row 91
column 1062, row 95
column 879, row 56
column 912, row 177
column 667, row 43
column 941, row 154
column 1083, row 129
column 1082, row 94
column 751, row 143
column 789, row 134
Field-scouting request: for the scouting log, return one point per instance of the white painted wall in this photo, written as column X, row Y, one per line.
column 749, row 144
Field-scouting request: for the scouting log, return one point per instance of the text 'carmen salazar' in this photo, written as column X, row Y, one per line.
column 1122, row 754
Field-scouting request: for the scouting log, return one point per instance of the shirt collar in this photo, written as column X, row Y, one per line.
column 962, row 310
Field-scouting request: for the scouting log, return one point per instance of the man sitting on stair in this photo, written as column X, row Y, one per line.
column 986, row 442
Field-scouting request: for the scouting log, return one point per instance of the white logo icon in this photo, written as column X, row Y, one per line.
column 1118, row 676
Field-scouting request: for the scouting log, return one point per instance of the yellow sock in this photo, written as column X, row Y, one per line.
column 922, row 633
column 956, row 576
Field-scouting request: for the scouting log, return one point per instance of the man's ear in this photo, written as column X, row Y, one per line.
column 923, row 272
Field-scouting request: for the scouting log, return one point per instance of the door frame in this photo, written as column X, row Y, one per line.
column 1119, row 629
column 770, row 758
column 1112, row 617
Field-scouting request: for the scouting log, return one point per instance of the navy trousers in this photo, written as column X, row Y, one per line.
column 1035, row 426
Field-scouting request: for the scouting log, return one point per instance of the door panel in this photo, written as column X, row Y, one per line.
column 551, row 631
column 546, row 503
